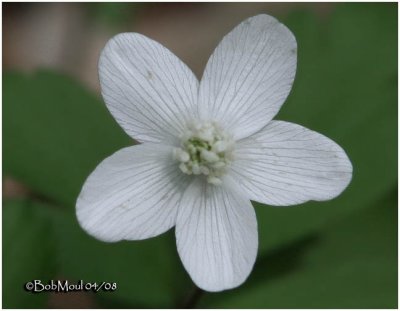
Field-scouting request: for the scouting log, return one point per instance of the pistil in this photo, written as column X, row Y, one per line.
column 205, row 150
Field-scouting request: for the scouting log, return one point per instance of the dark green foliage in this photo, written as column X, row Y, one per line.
column 29, row 252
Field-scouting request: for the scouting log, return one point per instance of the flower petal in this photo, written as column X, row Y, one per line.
column 216, row 233
column 249, row 75
column 149, row 91
column 286, row 164
column 132, row 194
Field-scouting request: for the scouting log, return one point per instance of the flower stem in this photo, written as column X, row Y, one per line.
column 192, row 299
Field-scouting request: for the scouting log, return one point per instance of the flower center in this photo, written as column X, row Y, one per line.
column 205, row 150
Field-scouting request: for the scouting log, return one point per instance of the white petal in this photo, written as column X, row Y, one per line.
column 216, row 233
column 132, row 194
column 285, row 164
column 149, row 91
column 249, row 75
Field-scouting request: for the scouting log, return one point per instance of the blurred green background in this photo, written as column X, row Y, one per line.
column 56, row 129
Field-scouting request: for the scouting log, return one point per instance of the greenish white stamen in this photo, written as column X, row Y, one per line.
column 205, row 150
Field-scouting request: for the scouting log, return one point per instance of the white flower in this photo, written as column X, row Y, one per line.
column 207, row 149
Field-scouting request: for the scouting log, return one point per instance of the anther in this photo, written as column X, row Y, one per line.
column 205, row 150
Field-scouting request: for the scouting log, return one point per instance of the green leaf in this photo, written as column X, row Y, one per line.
column 349, row 264
column 55, row 133
column 346, row 89
column 28, row 252
column 147, row 273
